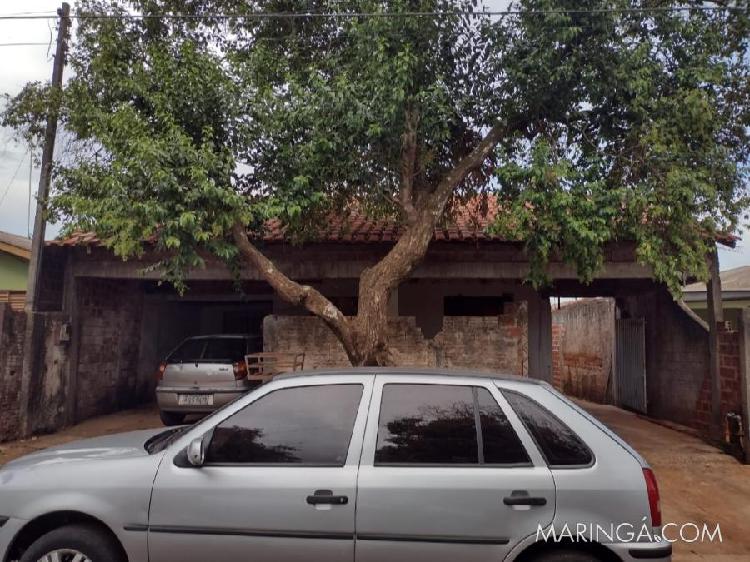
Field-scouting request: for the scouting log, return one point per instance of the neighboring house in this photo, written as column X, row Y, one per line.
column 735, row 294
column 15, row 253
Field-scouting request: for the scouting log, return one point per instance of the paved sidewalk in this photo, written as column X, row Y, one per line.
column 698, row 483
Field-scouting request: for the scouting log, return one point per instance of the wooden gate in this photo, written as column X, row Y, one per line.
column 630, row 350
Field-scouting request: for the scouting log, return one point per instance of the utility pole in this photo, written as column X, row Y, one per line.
column 48, row 150
column 34, row 352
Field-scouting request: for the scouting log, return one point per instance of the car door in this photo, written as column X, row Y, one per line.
column 447, row 473
column 278, row 483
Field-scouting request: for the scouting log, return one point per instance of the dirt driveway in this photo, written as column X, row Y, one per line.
column 698, row 483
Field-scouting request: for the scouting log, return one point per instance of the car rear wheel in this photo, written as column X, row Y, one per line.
column 566, row 556
column 171, row 418
column 73, row 543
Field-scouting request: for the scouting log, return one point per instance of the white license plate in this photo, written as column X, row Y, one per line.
column 195, row 399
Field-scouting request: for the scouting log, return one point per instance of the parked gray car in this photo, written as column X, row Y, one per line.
column 358, row 465
column 202, row 374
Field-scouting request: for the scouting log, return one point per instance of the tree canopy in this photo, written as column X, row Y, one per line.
column 588, row 121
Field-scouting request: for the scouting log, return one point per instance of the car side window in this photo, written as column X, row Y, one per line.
column 307, row 425
column 438, row 424
column 559, row 444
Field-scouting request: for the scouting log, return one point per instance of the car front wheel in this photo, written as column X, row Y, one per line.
column 73, row 543
column 171, row 418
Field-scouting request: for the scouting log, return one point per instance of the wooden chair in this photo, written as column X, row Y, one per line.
column 266, row 365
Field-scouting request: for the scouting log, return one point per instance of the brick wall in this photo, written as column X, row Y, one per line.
column 729, row 373
column 109, row 330
column 12, row 330
column 582, row 346
column 488, row 343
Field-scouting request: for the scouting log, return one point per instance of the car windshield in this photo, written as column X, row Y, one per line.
column 213, row 350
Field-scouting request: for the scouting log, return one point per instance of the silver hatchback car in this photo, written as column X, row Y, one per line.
column 202, row 374
column 358, row 465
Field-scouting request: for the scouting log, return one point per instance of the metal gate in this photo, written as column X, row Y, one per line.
column 630, row 349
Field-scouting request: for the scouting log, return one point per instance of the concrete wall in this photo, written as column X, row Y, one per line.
column 488, row 343
column 13, row 272
column 677, row 358
column 582, row 349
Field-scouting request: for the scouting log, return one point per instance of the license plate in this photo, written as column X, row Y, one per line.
column 195, row 399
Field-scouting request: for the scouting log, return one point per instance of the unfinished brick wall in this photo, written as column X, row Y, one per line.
column 109, row 333
column 582, row 347
column 12, row 330
column 487, row 343
column 729, row 373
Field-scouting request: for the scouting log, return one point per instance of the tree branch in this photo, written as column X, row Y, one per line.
column 473, row 160
column 293, row 292
column 408, row 165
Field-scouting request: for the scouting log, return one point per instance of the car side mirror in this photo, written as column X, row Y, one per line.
column 196, row 453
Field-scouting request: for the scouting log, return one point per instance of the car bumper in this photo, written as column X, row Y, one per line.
column 8, row 530
column 635, row 552
column 168, row 401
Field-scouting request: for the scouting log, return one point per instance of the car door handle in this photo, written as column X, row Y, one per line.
column 323, row 497
column 522, row 497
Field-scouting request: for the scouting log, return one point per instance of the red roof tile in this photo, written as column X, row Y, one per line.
column 469, row 224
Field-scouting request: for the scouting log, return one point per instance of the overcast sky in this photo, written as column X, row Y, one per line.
column 21, row 64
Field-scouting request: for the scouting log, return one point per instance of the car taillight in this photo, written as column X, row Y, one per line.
column 240, row 370
column 160, row 372
column 653, row 497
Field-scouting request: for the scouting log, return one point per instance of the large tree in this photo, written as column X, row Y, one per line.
column 193, row 122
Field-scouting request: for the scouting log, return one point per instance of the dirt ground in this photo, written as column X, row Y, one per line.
column 698, row 483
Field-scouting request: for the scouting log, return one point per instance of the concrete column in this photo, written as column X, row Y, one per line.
column 540, row 337
column 715, row 317
column 745, row 380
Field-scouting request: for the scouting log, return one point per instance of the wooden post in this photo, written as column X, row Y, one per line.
column 40, row 219
column 715, row 318
column 745, row 380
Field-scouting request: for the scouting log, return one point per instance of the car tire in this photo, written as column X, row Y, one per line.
column 171, row 418
column 94, row 544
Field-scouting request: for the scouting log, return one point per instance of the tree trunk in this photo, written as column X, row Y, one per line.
column 364, row 337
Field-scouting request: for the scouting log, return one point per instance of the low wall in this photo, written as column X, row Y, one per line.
column 12, row 330
column 582, row 349
column 486, row 343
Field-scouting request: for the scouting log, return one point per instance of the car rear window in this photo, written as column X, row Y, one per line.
column 213, row 350
column 225, row 350
column 189, row 350
column 559, row 444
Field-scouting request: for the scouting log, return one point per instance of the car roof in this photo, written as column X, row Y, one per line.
column 410, row 371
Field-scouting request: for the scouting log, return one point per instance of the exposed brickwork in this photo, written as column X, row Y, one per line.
column 12, row 329
column 110, row 329
column 582, row 344
column 558, row 332
column 729, row 373
column 489, row 343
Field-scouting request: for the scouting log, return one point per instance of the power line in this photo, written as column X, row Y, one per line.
column 21, row 44
column 307, row 15
column 12, row 179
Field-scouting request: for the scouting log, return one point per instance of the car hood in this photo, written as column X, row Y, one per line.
column 117, row 446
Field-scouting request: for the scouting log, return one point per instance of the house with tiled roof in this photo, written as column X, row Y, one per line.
column 108, row 322
column 15, row 253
